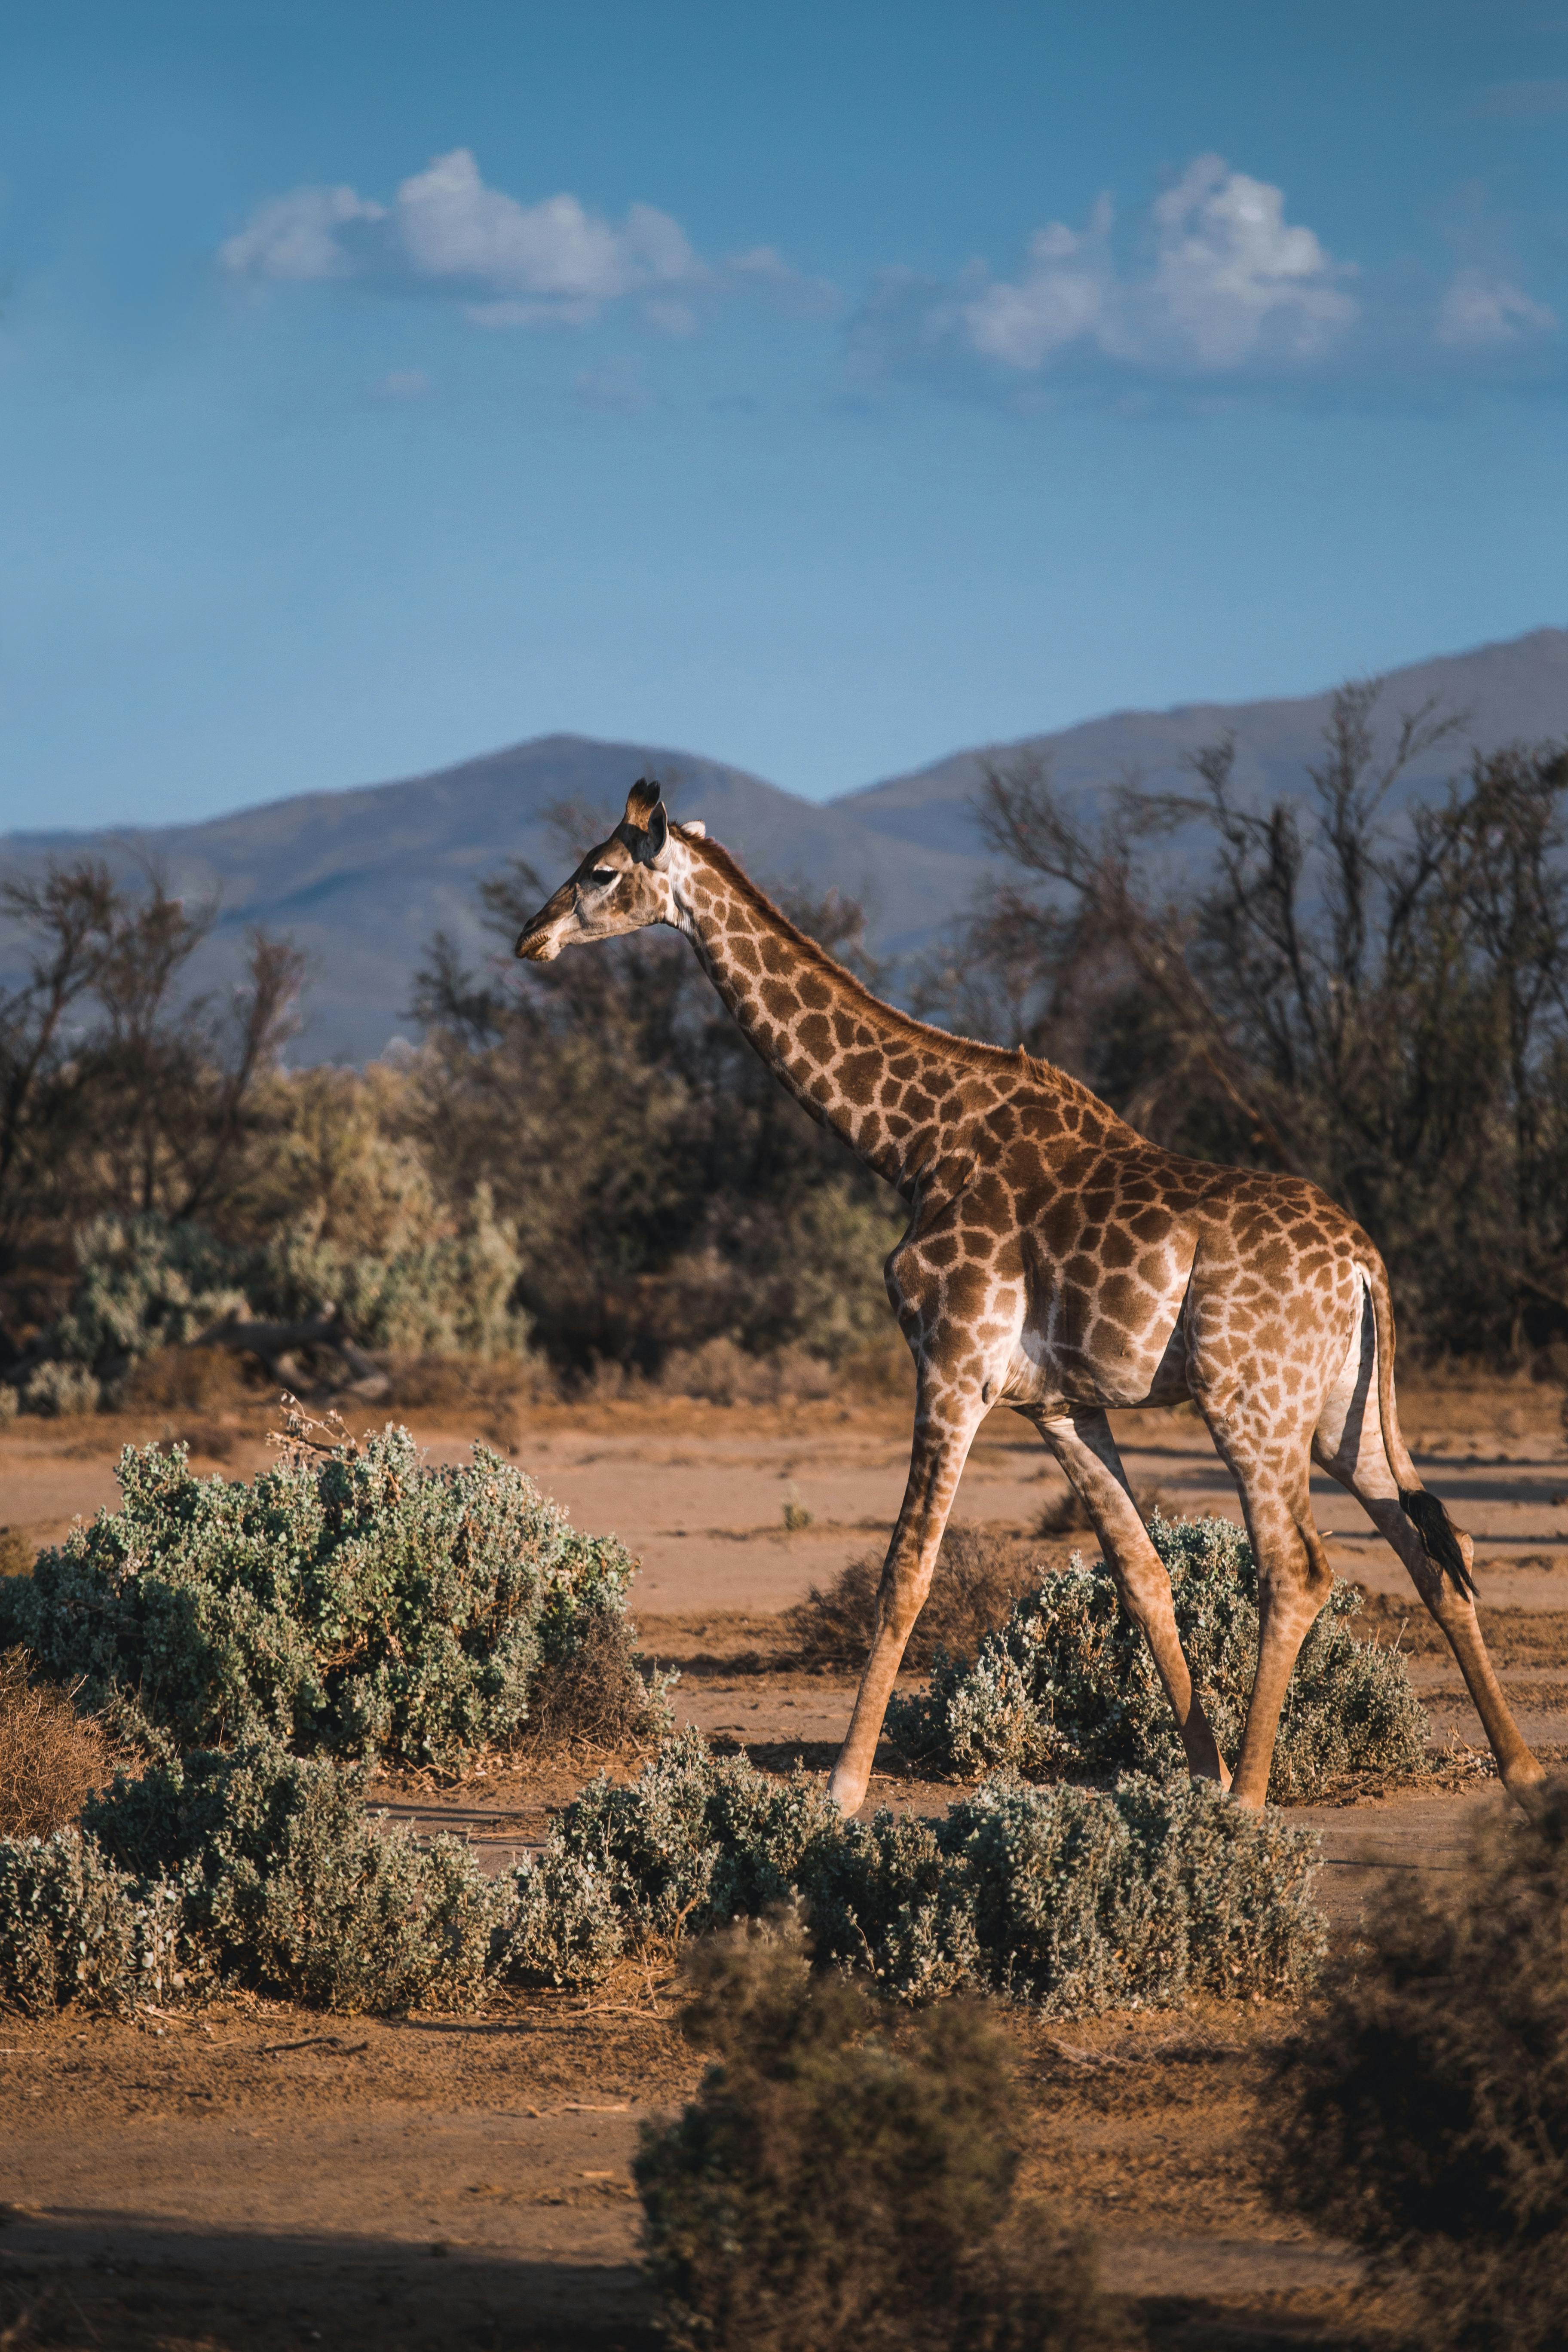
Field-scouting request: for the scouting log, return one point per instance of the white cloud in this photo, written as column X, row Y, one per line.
column 1062, row 294
column 1230, row 277
column 1483, row 312
column 1229, row 281
column 297, row 237
column 510, row 265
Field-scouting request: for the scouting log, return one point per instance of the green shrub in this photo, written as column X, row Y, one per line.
column 1423, row 2111
column 143, row 1283
column 1078, row 1899
column 58, row 1392
column 259, row 1867
column 74, row 1927
column 1068, row 1683
column 449, row 1296
column 146, row 1282
column 363, row 1602
column 830, row 2189
column 256, row 1868
column 284, row 1884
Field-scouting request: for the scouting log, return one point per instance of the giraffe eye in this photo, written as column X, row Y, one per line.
column 604, row 875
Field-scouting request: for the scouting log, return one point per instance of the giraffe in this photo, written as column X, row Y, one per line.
column 1057, row 1262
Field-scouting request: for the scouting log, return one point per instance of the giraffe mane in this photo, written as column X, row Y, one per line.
column 974, row 1052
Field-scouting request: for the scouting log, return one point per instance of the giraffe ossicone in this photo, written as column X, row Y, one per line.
column 1057, row 1261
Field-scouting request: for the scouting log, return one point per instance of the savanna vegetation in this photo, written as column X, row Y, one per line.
column 584, row 1165
column 582, row 1174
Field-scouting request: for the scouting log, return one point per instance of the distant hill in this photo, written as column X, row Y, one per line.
column 362, row 877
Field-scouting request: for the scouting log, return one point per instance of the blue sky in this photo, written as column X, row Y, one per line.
column 820, row 388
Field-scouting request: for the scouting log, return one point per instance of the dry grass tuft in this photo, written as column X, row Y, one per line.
column 486, row 1390
column 186, row 1379
column 191, row 1389
column 723, row 1373
column 595, row 1699
column 978, row 1579
column 51, row 1758
column 18, row 1552
column 1067, row 1516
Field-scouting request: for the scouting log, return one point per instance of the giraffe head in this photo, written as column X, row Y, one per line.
column 623, row 884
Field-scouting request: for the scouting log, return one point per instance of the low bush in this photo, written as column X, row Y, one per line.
column 1069, row 1682
column 832, row 2188
column 260, row 1867
column 721, row 1372
column 978, row 1580
column 75, row 1929
column 149, row 1283
column 59, row 1391
column 254, row 1868
column 51, row 1758
column 143, row 1284
column 1078, row 1899
column 16, row 1553
column 450, row 1294
column 359, row 1601
column 1068, row 1515
column 1423, row 2113
column 284, row 1884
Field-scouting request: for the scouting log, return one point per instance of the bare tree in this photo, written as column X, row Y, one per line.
column 1374, row 998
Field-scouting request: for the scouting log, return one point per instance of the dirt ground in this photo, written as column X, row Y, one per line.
column 267, row 2177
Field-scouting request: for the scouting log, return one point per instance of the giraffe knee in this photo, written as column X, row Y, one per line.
column 901, row 1595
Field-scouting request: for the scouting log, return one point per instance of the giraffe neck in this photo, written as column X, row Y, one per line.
column 889, row 1086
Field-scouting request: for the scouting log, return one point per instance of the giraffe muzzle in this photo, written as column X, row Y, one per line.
column 537, row 943
column 540, row 940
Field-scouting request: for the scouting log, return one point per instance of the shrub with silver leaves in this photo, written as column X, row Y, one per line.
column 73, row 1928
column 1077, row 1899
column 283, row 1883
column 1069, row 1683
column 365, row 1602
column 260, row 1868
column 60, row 1391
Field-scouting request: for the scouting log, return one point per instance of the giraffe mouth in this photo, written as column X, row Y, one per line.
column 537, row 946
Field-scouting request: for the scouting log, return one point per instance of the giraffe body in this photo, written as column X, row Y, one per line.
column 1057, row 1261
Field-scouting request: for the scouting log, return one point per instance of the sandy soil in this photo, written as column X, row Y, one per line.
column 269, row 2177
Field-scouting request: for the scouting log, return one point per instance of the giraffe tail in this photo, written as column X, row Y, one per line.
column 1424, row 1511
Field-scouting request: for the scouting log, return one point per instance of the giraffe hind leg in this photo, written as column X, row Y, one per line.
column 1348, row 1444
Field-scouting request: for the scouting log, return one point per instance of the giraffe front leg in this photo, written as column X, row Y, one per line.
column 945, row 1424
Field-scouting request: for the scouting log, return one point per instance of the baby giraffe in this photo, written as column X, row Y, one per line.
column 1055, row 1262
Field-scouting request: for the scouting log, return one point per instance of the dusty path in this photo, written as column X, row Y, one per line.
column 276, row 2178
column 435, row 2182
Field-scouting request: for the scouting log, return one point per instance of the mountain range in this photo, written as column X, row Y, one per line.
column 361, row 879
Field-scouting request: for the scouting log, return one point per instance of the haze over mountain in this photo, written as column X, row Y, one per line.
column 361, row 879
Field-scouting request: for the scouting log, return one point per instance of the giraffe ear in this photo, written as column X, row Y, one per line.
column 641, row 802
column 656, row 839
